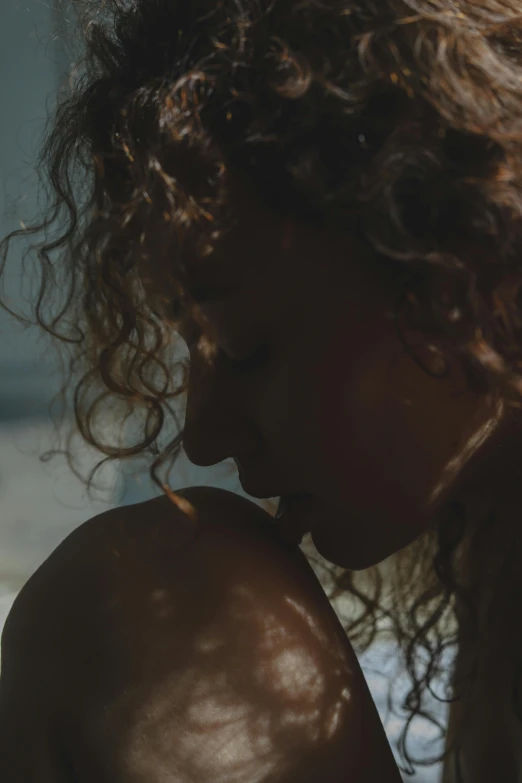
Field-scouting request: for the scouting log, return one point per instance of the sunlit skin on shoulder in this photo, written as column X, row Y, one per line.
column 323, row 201
column 217, row 656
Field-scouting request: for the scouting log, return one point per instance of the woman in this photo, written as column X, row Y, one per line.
column 324, row 200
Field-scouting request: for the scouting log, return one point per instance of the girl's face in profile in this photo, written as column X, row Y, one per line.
column 313, row 392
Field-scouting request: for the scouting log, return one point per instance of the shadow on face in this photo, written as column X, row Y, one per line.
column 312, row 390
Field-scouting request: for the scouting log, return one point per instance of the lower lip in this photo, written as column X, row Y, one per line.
column 291, row 518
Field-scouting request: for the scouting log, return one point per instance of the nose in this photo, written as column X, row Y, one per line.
column 216, row 426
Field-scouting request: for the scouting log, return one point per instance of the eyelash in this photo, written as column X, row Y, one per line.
column 248, row 364
column 236, row 366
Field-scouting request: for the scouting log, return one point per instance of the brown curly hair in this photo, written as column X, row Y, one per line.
column 398, row 122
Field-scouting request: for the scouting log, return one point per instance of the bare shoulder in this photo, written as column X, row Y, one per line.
column 199, row 647
column 139, row 554
column 149, row 570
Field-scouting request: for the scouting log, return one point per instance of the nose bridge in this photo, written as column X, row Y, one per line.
column 215, row 426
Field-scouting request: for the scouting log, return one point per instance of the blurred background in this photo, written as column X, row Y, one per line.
column 42, row 501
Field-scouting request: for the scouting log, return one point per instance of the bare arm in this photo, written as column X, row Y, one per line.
column 205, row 654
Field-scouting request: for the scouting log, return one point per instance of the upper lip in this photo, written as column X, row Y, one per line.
column 263, row 492
column 260, row 489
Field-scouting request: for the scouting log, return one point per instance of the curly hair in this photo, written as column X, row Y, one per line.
column 398, row 122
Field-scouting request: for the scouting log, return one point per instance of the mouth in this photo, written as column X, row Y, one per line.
column 286, row 502
column 291, row 516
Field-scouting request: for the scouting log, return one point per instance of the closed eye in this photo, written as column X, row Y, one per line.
column 250, row 363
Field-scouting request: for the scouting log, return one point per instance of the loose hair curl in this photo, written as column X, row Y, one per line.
column 398, row 122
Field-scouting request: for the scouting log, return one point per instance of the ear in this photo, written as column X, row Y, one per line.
column 288, row 235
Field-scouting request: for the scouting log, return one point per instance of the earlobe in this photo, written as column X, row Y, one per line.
column 429, row 357
column 288, row 235
column 426, row 353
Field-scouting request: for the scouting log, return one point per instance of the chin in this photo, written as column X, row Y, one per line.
column 351, row 560
column 355, row 541
column 351, row 552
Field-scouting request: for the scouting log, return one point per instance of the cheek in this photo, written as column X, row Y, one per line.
column 354, row 427
column 383, row 439
column 392, row 443
column 369, row 506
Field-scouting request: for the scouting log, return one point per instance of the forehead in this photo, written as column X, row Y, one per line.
column 260, row 250
column 248, row 249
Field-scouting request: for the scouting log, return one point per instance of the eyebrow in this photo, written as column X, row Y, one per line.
column 210, row 293
column 202, row 293
column 205, row 293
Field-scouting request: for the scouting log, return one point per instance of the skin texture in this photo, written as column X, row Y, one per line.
column 339, row 409
column 332, row 404
column 163, row 605
column 397, row 122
